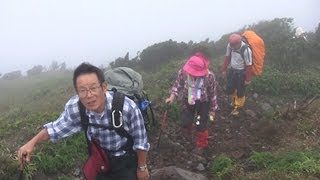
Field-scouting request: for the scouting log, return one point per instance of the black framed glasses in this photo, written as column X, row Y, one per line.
column 83, row 92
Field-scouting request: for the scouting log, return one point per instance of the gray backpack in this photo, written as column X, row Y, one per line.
column 125, row 80
column 129, row 82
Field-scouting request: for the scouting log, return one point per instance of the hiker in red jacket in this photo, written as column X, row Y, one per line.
column 239, row 74
column 198, row 87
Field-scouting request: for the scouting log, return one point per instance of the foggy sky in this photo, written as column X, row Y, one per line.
column 36, row 32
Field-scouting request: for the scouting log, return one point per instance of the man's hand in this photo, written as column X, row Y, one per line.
column 143, row 174
column 24, row 153
column 223, row 74
column 247, row 82
column 212, row 116
column 170, row 99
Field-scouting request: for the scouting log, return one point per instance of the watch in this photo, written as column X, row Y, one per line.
column 142, row 168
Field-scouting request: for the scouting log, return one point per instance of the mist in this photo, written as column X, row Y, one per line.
column 38, row 32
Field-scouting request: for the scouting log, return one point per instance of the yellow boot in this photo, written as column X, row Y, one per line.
column 238, row 103
column 233, row 97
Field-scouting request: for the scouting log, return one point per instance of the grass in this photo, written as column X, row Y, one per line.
column 25, row 105
column 286, row 165
column 48, row 158
column 295, row 162
column 222, row 167
column 275, row 83
column 37, row 93
column 62, row 157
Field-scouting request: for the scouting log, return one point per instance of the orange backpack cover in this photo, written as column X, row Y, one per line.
column 256, row 44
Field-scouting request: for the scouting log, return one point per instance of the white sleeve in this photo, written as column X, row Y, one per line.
column 247, row 55
column 228, row 52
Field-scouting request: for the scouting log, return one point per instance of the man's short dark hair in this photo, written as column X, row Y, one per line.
column 86, row 68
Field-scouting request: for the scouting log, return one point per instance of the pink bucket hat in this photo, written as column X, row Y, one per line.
column 196, row 66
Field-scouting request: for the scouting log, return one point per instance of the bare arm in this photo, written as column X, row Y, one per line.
column 227, row 60
column 142, row 171
column 248, row 73
column 24, row 152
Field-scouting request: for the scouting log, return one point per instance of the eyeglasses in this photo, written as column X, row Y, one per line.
column 83, row 92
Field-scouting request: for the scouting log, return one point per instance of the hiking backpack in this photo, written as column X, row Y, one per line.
column 129, row 82
column 256, row 44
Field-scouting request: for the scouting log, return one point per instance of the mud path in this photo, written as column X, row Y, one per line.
column 236, row 137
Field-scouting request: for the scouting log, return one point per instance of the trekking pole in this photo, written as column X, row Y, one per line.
column 162, row 124
column 24, row 155
column 21, row 174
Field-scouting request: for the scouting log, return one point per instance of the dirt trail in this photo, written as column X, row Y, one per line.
column 235, row 137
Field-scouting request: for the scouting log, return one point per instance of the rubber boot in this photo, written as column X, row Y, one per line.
column 202, row 141
column 239, row 103
column 233, row 97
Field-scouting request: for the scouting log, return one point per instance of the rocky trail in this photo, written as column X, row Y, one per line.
column 235, row 137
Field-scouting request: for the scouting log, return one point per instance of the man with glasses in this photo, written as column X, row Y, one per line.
column 91, row 88
column 239, row 56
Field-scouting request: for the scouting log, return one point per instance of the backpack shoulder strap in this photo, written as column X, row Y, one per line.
column 84, row 122
column 242, row 49
column 117, row 121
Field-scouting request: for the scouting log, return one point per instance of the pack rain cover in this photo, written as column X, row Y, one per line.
column 125, row 80
column 258, row 51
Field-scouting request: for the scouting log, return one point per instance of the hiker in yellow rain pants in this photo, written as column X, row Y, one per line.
column 239, row 57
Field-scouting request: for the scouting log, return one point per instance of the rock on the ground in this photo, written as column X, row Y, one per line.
column 251, row 113
column 200, row 167
column 174, row 173
column 266, row 107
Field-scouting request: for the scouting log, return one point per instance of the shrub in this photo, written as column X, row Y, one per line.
column 222, row 167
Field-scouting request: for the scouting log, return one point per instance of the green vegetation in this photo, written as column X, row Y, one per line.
column 26, row 105
column 62, row 158
column 275, row 82
column 48, row 159
column 296, row 162
column 222, row 167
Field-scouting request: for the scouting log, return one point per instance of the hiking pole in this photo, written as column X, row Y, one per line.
column 21, row 174
column 162, row 124
column 24, row 155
